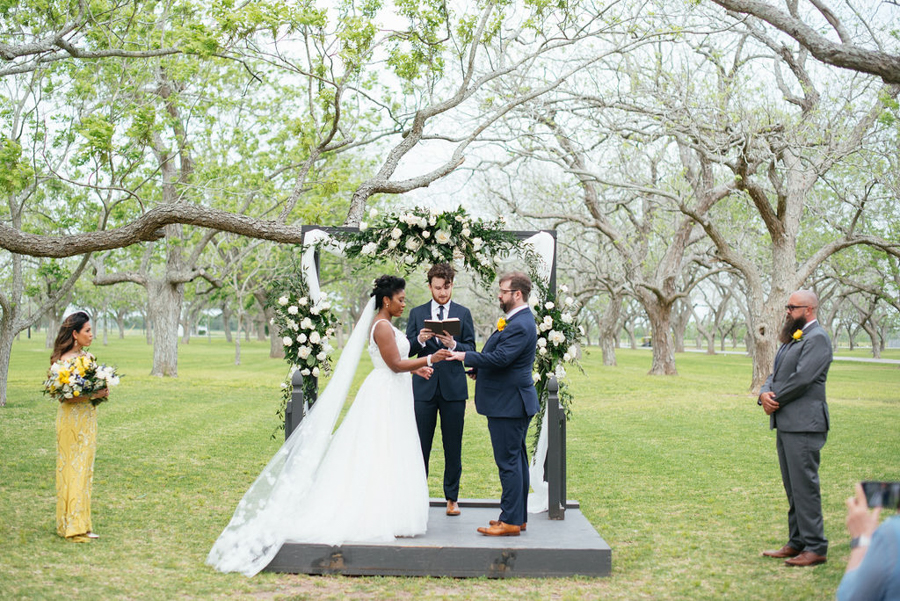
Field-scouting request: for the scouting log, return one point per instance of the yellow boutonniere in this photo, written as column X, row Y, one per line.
column 797, row 335
column 501, row 323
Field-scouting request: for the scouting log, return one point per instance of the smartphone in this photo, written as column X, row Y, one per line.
column 882, row 494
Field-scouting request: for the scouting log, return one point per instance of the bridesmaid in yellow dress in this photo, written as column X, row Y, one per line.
column 76, row 438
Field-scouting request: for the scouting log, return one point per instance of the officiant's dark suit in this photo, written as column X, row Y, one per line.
column 505, row 393
column 794, row 397
column 446, row 391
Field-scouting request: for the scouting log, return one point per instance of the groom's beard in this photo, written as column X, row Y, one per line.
column 790, row 326
column 505, row 306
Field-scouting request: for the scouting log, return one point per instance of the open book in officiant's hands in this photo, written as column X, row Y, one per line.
column 450, row 326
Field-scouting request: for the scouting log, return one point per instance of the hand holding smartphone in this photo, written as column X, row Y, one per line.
column 882, row 494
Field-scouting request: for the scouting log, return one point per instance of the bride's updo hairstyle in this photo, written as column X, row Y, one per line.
column 387, row 285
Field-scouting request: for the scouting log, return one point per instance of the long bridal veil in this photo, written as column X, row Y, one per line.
column 256, row 530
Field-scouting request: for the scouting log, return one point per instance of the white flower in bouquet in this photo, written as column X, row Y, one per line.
column 392, row 244
column 413, row 244
column 459, row 218
column 304, row 352
column 306, row 324
column 497, row 260
column 548, row 320
column 542, row 342
column 570, row 301
column 435, row 253
column 325, row 305
column 304, row 372
column 466, row 232
column 556, row 338
column 563, row 288
column 442, row 237
column 286, row 341
column 322, row 296
column 549, row 305
column 422, row 223
column 322, row 356
column 302, row 338
column 560, row 372
column 542, row 350
column 458, row 255
column 567, row 317
column 293, row 309
column 315, row 309
column 533, row 301
column 425, row 234
column 329, row 332
column 373, row 213
column 543, row 327
column 291, row 324
column 315, row 372
column 567, row 357
column 369, row 248
column 283, row 301
column 573, row 351
column 477, row 243
column 314, row 338
column 535, row 377
column 396, row 233
column 303, row 301
column 363, row 226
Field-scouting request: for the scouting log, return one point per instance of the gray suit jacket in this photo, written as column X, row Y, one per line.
column 799, row 383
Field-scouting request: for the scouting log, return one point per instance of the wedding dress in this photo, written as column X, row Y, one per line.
column 366, row 483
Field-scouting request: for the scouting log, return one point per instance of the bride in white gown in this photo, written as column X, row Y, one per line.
column 366, row 483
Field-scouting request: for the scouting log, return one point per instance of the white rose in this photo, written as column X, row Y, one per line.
column 306, row 324
column 322, row 296
column 304, row 352
column 314, row 338
column 432, row 220
column 323, row 355
column 303, row 301
column 425, row 234
column 325, row 306
column 477, row 243
column 442, row 237
column 544, row 327
column 304, row 372
column 396, row 233
column 466, row 232
column 369, row 249
column 422, row 223
column 293, row 310
column 570, row 301
column 567, row 357
column 458, row 254
column 373, row 213
column 542, row 342
column 459, row 218
column 533, row 301
column 497, row 260
column 286, row 341
column 413, row 244
column 567, row 317
column 549, row 305
column 363, row 226
column 535, row 377
column 409, row 259
column 283, row 301
column 291, row 324
column 563, row 288
column 542, row 350
column 560, row 372
column 392, row 244
column 329, row 332
column 548, row 320
column 301, row 338
column 315, row 310
column 315, row 372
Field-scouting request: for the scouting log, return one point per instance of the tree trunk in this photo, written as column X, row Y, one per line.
column 7, row 335
column 165, row 311
column 226, row 321
column 660, row 316
column 106, row 324
column 120, row 323
column 608, row 324
column 237, row 338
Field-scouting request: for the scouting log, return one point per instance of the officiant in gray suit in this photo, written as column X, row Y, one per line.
column 794, row 399
column 446, row 392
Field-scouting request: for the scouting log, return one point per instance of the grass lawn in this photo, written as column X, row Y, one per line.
column 678, row 474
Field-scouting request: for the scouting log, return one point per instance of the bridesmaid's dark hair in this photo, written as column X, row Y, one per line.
column 64, row 340
column 387, row 285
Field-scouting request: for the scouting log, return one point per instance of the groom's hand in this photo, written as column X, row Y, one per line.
column 457, row 356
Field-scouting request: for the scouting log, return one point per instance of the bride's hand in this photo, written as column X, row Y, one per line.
column 424, row 372
column 457, row 356
column 441, row 355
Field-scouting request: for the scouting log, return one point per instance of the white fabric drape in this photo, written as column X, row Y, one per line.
column 255, row 533
column 308, row 261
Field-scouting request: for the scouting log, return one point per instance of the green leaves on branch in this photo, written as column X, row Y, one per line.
column 15, row 175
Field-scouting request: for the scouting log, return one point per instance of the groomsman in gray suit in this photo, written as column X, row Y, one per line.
column 447, row 390
column 794, row 399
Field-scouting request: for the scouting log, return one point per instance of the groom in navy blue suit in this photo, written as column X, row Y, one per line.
column 505, row 393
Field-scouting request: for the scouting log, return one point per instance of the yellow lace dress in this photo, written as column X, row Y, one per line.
column 76, row 444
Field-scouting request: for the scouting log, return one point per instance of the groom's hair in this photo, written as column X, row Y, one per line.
column 441, row 270
column 387, row 285
column 518, row 281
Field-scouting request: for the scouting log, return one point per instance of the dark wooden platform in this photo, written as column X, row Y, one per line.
column 452, row 547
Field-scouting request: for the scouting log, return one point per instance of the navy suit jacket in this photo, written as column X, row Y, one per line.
column 448, row 376
column 799, row 383
column 504, row 386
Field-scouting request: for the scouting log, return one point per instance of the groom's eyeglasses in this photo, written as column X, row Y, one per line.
column 793, row 308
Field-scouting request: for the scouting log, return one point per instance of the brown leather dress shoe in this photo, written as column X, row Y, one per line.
column 452, row 508
column 806, row 559
column 522, row 527
column 501, row 529
column 783, row 552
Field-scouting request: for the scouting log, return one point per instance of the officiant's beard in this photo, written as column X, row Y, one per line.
column 506, row 306
column 790, row 326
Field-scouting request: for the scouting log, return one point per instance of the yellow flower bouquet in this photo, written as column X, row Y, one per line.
column 79, row 376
